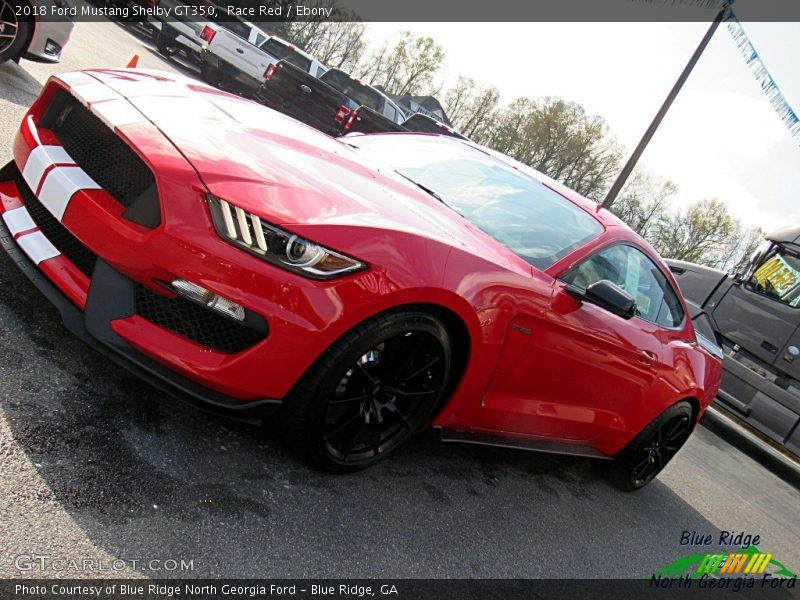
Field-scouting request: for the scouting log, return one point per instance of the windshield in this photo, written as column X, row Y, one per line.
column 535, row 222
column 283, row 52
column 348, row 86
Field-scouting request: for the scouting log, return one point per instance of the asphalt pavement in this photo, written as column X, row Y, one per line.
column 96, row 464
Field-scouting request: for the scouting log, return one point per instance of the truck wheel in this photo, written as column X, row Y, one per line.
column 370, row 392
column 650, row 451
column 14, row 32
column 167, row 42
column 210, row 74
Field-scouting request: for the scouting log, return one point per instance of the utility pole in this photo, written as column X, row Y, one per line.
column 637, row 153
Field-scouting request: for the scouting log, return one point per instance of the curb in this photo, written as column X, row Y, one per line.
column 727, row 428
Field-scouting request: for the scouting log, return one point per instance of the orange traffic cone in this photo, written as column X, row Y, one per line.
column 133, row 63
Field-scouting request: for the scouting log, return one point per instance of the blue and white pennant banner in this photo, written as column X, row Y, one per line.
column 763, row 76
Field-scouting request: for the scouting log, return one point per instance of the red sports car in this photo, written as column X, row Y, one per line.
column 363, row 288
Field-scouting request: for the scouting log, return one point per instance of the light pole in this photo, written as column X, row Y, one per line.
column 637, row 153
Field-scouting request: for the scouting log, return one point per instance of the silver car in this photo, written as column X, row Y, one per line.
column 34, row 38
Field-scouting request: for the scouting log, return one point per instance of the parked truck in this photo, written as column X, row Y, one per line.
column 181, row 30
column 337, row 103
column 239, row 53
column 755, row 316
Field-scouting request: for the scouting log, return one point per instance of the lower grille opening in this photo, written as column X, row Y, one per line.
column 194, row 322
column 53, row 230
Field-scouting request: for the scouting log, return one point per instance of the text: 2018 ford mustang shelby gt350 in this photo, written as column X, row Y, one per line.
column 365, row 288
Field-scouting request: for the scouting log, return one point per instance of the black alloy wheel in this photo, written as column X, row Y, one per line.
column 650, row 451
column 661, row 448
column 371, row 391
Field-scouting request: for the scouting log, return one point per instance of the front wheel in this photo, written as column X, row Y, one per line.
column 370, row 392
column 650, row 451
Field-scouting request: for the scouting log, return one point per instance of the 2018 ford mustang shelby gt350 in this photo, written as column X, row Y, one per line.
column 365, row 287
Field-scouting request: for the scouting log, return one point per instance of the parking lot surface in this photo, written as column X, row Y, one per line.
column 95, row 464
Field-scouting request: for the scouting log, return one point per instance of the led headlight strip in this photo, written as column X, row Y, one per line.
column 250, row 233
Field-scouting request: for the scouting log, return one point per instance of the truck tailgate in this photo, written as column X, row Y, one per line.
column 298, row 94
column 240, row 53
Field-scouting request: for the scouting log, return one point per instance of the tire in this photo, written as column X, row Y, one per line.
column 166, row 42
column 650, row 451
column 369, row 392
column 210, row 74
column 21, row 28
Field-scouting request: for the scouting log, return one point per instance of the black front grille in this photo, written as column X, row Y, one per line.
column 192, row 321
column 53, row 230
column 105, row 157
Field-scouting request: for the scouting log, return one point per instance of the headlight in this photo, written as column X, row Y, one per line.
column 250, row 233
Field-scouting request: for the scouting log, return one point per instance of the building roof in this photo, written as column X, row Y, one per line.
column 424, row 104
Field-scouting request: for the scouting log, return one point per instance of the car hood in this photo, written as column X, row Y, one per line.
column 282, row 170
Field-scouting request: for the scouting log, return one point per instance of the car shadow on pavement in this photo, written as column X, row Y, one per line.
column 16, row 85
column 145, row 477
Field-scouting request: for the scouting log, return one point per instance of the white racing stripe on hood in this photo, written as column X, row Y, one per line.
column 117, row 113
column 94, row 92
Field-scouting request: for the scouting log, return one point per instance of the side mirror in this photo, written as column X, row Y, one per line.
column 609, row 296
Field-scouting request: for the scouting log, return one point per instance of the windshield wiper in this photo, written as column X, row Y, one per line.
column 423, row 187
column 429, row 191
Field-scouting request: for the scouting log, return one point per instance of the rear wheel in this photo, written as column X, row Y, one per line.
column 210, row 74
column 370, row 392
column 14, row 31
column 167, row 42
column 650, row 451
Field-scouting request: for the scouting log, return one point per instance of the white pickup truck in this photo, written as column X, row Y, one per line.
column 239, row 52
column 181, row 30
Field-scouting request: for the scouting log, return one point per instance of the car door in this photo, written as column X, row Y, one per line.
column 581, row 369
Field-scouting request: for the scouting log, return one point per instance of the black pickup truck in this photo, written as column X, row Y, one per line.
column 338, row 104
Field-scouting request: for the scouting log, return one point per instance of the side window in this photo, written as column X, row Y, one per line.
column 260, row 39
column 389, row 112
column 778, row 277
column 237, row 28
column 634, row 272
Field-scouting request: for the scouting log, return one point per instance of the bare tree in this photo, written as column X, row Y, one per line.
column 407, row 67
column 558, row 138
column 698, row 234
column 644, row 201
column 471, row 107
column 736, row 252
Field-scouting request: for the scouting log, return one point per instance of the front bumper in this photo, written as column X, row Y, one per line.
column 75, row 220
column 48, row 40
column 110, row 298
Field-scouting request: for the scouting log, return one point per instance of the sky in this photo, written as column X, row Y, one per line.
column 721, row 138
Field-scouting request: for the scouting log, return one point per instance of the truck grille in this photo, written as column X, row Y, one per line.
column 53, row 230
column 105, row 157
column 194, row 322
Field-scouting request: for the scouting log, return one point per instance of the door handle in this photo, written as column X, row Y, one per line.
column 769, row 347
column 240, row 51
column 646, row 357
